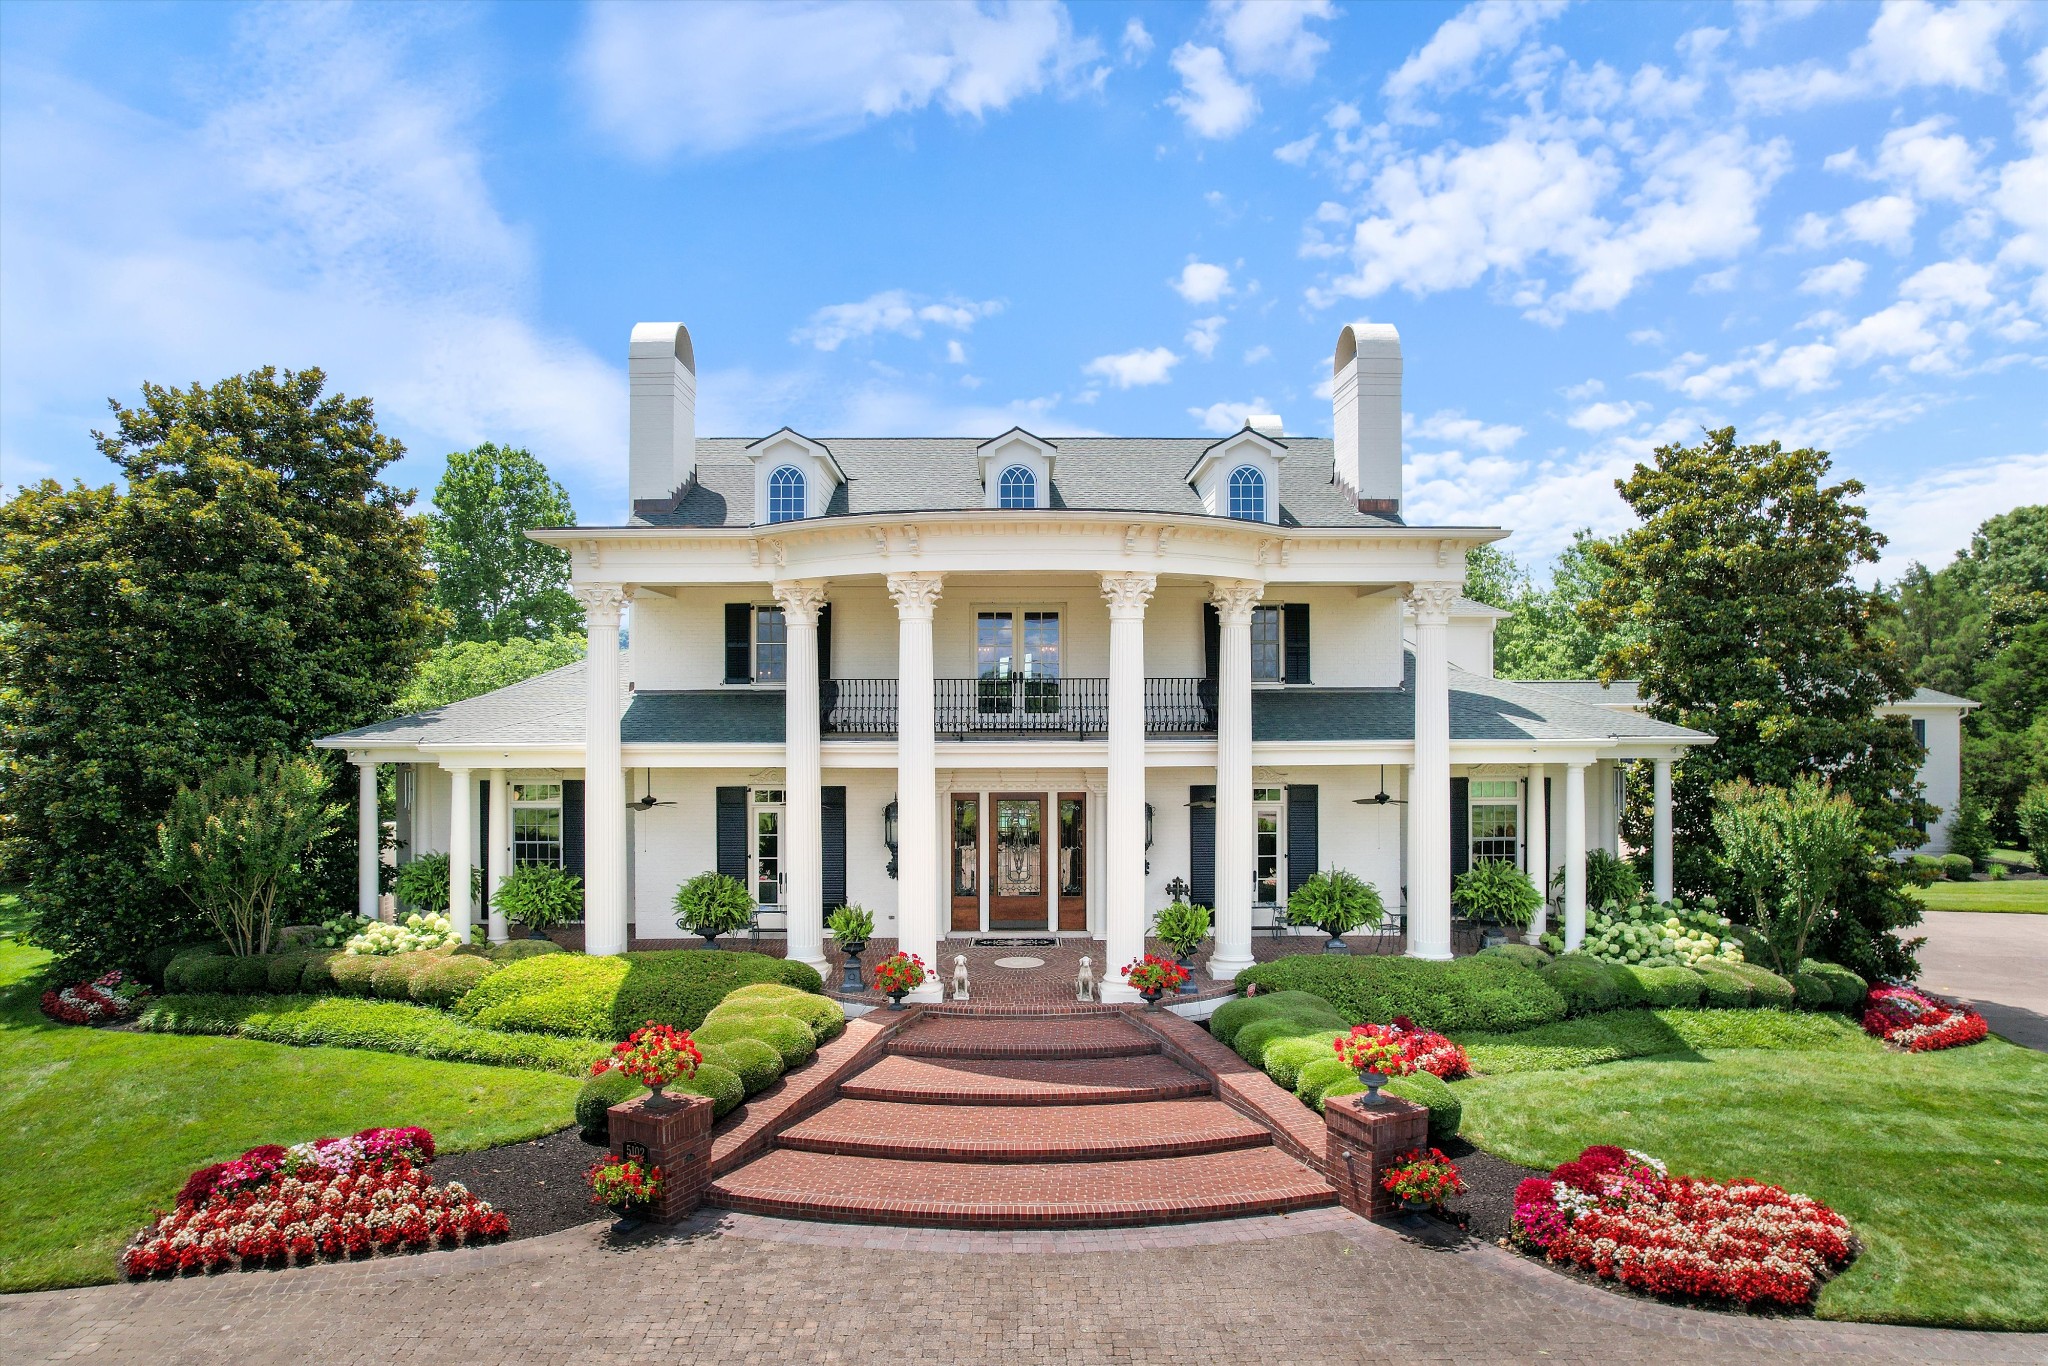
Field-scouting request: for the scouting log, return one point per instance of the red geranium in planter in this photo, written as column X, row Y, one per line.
column 1423, row 1178
column 653, row 1055
column 899, row 974
column 1153, row 976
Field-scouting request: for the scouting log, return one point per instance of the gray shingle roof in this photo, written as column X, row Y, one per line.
column 546, row 709
column 939, row 474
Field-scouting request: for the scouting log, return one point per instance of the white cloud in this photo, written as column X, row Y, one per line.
column 956, row 354
column 1459, row 48
column 1754, row 17
column 1930, row 162
column 1203, row 334
column 890, row 311
column 1841, row 279
column 1212, row 103
column 1717, row 282
column 1271, row 37
column 1801, row 369
column 1931, row 514
column 1201, row 283
column 1601, row 417
column 1225, row 418
column 1453, row 426
column 1137, row 41
column 1131, row 369
column 1886, row 221
column 712, row 76
column 1296, row 153
column 1910, row 43
column 1949, row 285
column 1578, row 393
column 1258, row 353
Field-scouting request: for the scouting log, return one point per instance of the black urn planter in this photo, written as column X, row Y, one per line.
column 628, row 1215
column 850, row 981
column 896, row 999
column 1186, row 962
column 710, row 937
column 1151, row 995
column 1336, row 945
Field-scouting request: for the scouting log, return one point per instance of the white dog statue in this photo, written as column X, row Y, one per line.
column 960, row 977
column 1084, row 983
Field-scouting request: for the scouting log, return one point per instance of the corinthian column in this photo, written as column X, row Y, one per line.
column 917, row 805
column 604, row 777
column 1124, row 878
column 804, row 899
column 1234, row 600
column 1429, row 791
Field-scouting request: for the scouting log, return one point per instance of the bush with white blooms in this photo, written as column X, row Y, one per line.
column 1657, row 935
column 412, row 933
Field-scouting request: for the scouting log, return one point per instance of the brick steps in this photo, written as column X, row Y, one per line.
column 1017, row 1133
column 870, row 1190
column 1043, row 1037
column 1025, row 1081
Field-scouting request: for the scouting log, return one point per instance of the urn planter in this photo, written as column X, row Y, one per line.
column 850, row 981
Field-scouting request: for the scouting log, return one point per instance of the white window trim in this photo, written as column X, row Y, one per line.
column 1015, row 611
column 515, row 805
column 1520, row 803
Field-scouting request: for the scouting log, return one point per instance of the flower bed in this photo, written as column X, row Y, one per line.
column 1431, row 1052
column 320, row 1201
column 1919, row 1023
column 114, row 996
column 1620, row 1216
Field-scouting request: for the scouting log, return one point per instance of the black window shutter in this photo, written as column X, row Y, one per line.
column 1202, row 845
column 1212, row 643
column 1304, row 835
column 825, row 643
column 739, row 656
column 1294, row 641
column 572, row 826
column 1461, row 826
column 483, row 842
column 832, row 811
column 732, row 832
column 1542, row 874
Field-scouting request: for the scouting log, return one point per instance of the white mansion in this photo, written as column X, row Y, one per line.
column 1018, row 685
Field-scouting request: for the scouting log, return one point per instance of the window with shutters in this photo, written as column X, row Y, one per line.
column 771, row 645
column 1266, row 645
column 1496, row 812
column 536, row 824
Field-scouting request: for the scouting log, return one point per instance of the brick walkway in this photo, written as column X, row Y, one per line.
column 1319, row 1287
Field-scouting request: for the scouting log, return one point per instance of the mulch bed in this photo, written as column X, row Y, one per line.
column 539, row 1184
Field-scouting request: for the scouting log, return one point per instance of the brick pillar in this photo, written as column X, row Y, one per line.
column 1366, row 1140
column 675, row 1138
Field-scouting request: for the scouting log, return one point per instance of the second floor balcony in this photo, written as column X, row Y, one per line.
column 1014, row 706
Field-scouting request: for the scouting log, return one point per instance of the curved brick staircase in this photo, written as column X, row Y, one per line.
column 1022, row 1121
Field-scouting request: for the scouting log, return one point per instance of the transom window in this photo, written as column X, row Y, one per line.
column 1496, row 812
column 786, row 494
column 1018, row 489
column 771, row 645
column 537, row 824
column 1266, row 653
column 1247, row 494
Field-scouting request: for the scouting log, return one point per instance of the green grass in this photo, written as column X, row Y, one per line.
column 2020, row 896
column 1621, row 1034
column 1936, row 1159
column 99, row 1127
column 2014, row 858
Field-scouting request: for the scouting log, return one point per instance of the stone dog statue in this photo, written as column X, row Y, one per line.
column 960, row 977
column 1084, row 982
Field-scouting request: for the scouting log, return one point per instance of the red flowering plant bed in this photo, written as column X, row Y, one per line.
column 653, row 1055
column 1374, row 1048
column 1431, row 1052
column 1618, row 1215
column 326, row 1200
column 1918, row 1023
column 102, row 1000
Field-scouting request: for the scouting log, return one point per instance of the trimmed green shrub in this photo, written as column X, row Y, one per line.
column 208, row 973
column 1666, row 987
column 352, row 972
column 1528, row 955
column 317, row 976
column 447, row 981
column 159, row 959
column 1628, row 987
column 1252, row 1040
column 820, row 1014
column 1586, row 984
column 596, row 1099
column 391, row 980
column 384, row 1026
column 1468, row 993
column 1296, row 1012
column 1766, row 988
column 762, row 991
column 1957, row 867
column 791, row 1038
column 1319, row 1076
column 284, row 973
column 248, row 974
column 571, row 993
column 1846, row 988
column 1285, row 1058
column 756, row 1062
column 679, row 987
column 1811, row 991
column 517, row 950
column 724, row 1088
column 1722, row 990
column 1445, row 1110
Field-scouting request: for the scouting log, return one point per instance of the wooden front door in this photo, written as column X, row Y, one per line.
column 1017, row 863
column 964, row 869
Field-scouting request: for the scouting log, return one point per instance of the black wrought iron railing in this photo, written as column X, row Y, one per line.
column 1071, row 708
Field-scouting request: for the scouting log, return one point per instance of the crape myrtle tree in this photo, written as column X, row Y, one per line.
column 1751, row 628
column 249, row 585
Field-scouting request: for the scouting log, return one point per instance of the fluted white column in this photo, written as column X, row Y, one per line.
column 369, row 834
column 1124, row 877
column 1429, row 792
column 498, row 853
column 1574, row 855
column 917, row 804
column 604, row 778
column 461, row 833
column 1537, row 846
column 803, row 817
column 1661, row 841
column 1234, row 600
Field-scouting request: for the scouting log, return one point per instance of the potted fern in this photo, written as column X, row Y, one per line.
column 1335, row 902
column 540, row 896
column 1497, row 893
column 852, row 926
column 711, row 904
column 1182, row 927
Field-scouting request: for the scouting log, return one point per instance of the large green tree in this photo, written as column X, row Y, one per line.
column 251, row 584
column 471, row 668
column 492, row 581
column 1543, row 635
column 1749, row 625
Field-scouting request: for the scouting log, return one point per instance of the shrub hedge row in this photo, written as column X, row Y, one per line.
column 1485, row 992
column 385, row 1026
column 1590, row 985
column 611, row 997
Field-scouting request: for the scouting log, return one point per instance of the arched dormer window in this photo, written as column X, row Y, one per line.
column 786, row 494
column 1247, row 494
column 1019, row 488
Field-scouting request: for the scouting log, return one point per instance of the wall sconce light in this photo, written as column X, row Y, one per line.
column 1148, row 825
column 889, row 833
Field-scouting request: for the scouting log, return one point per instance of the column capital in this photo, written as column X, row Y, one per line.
column 361, row 758
column 800, row 599
column 1431, row 602
column 1127, row 594
column 1577, row 765
column 916, row 594
column 1234, row 600
column 601, row 602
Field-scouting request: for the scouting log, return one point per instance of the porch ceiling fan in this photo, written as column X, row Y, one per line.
column 650, row 800
column 1382, row 797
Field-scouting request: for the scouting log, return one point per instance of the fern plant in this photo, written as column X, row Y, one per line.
column 540, row 896
column 712, row 904
column 423, row 883
column 852, row 926
column 1497, row 892
column 1182, row 927
column 1335, row 902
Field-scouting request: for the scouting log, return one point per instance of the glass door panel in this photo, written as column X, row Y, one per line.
column 1266, row 858
column 966, row 863
column 768, row 850
column 1073, row 864
column 1017, row 884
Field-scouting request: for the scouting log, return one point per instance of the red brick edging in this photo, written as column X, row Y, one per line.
column 1297, row 1130
column 750, row 1130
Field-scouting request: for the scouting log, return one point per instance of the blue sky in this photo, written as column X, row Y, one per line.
column 1598, row 227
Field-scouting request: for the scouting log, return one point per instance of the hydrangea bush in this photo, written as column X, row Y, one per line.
column 1656, row 935
column 415, row 932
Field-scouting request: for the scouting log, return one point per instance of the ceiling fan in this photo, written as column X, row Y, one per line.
column 650, row 800
column 1382, row 797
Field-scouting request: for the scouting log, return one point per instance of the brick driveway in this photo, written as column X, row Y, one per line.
column 1315, row 1287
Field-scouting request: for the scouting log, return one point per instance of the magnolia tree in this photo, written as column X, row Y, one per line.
column 1789, row 851
column 238, row 839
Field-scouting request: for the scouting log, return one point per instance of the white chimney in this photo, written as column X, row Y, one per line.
column 661, row 444
column 1266, row 424
column 1367, row 399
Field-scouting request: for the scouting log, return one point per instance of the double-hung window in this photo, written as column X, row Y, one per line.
column 771, row 645
column 536, row 824
column 1267, row 654
column 1495, row 807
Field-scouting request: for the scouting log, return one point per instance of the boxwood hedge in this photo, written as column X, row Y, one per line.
column 1467, row 993
column 570, row 993
column 598, row 1096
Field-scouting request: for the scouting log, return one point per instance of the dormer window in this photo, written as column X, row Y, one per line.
column 786, row 494
column 1019, row 488
column 1247, row 494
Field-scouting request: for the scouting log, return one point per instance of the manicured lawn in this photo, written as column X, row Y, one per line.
column 2024, row 896
column 1936, row 1159
column 98, row 1127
